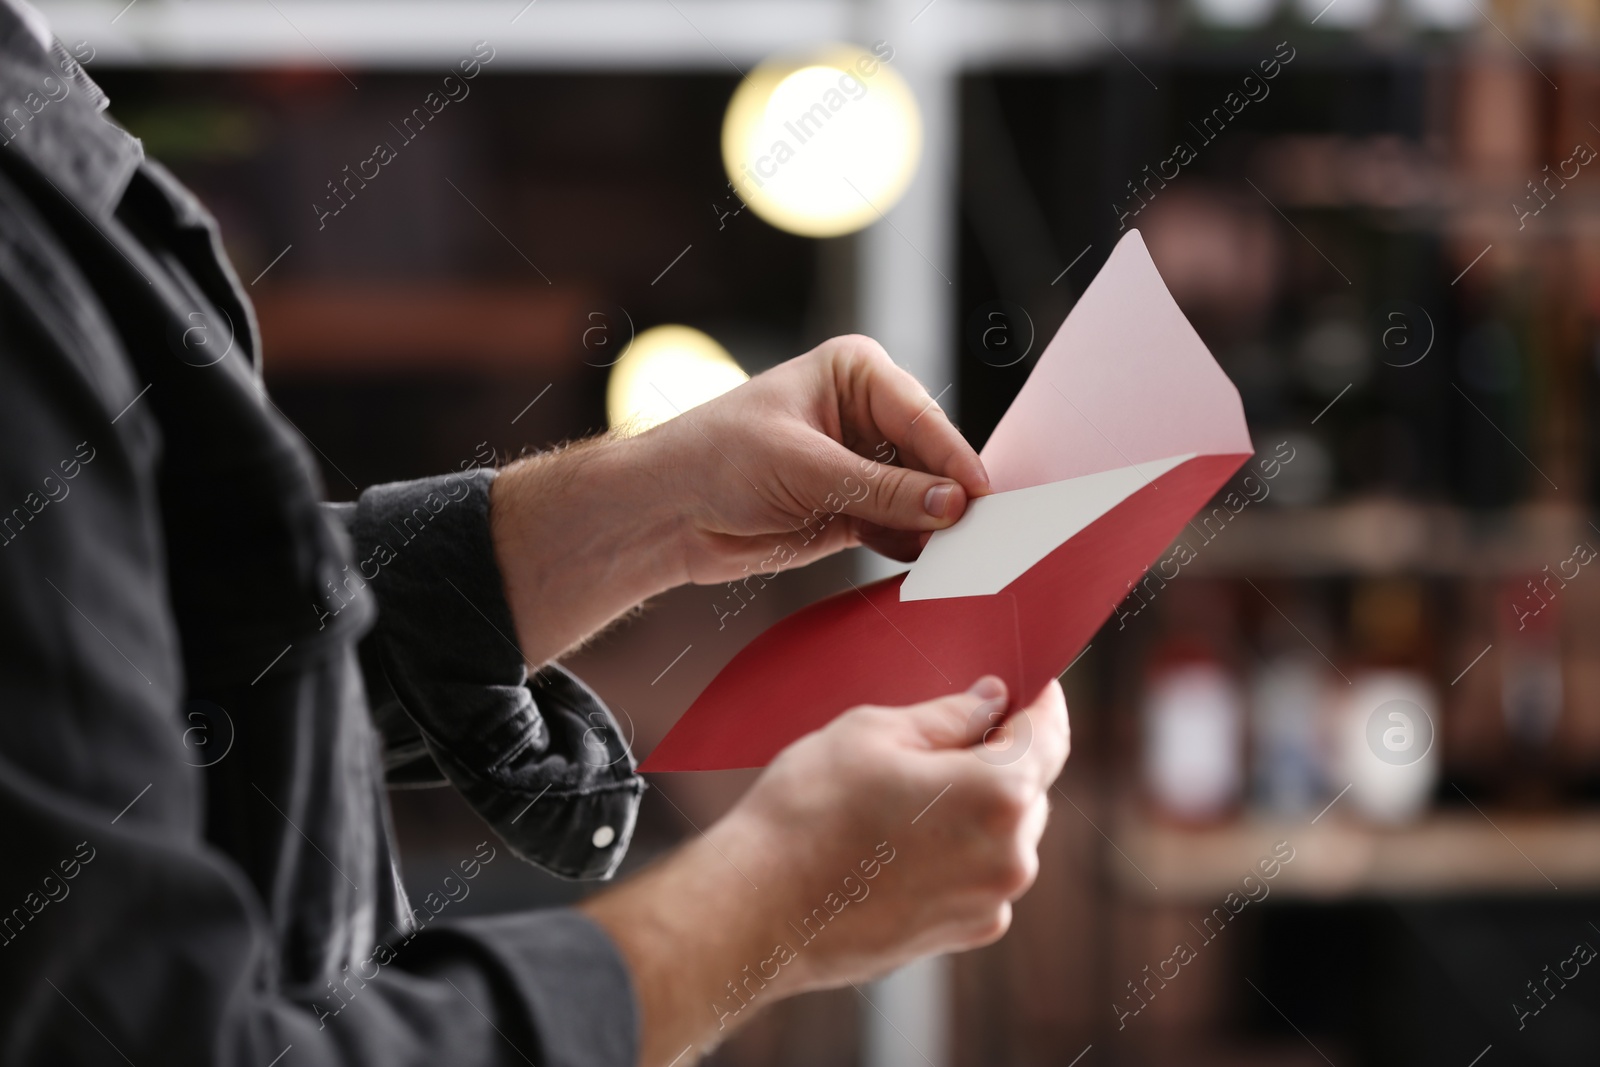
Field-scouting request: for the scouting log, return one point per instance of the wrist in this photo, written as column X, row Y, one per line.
column 582, row 535
column 773, row 964
column 702, row 934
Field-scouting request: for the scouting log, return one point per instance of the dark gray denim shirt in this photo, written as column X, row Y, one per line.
column 206, row 675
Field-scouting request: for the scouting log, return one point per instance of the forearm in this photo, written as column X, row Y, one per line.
column 582, row 535
column 700, row 940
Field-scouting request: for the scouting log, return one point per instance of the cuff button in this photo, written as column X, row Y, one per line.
column 603, row 837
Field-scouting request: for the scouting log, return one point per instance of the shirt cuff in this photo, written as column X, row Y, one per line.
column 567, row 978
column 540, row 758
column 574, row 980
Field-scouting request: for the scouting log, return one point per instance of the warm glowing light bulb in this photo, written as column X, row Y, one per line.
column 666, row 371
column 1236, row 14
column 822, row 146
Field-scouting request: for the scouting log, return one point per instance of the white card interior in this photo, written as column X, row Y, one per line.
column 1003, row 535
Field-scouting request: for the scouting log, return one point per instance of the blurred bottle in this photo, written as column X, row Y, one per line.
column 1531, row 691
column 1193, row 712
column 1286, row 701
column 1288, row 695
column 1194, row 733
column 1384, row 725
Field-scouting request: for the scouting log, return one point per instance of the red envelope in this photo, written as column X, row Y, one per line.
column 1125, row 428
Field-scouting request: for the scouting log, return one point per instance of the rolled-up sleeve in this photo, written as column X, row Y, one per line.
column 537, row 754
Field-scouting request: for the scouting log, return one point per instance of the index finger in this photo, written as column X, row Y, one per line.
column 1042, row 730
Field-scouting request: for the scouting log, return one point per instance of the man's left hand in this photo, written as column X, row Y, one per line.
column 832, row 449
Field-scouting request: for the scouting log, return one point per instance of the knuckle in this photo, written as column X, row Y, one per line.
column 856, row 731
column 1018, row 872
column 965, row 705
column 993, row 926
column 945, row 720
column 1011, row 874
column 864, row 347
column 1006, row 803
column 862, row 715
column 797, row 754
column 894, row 486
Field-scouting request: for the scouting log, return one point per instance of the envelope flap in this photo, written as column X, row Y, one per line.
column 1125, row 381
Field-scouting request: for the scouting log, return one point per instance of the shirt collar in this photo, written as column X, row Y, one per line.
column 51, row 114
column 31, row 17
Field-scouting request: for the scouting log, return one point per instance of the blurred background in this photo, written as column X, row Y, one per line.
column 1386, row 667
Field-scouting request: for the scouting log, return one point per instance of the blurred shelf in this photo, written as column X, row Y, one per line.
column 310, row 329
column 561, row 34
column 1389, row 536
column 1446, row 854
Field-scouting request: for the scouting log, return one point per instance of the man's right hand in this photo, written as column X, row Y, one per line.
column 890, row 834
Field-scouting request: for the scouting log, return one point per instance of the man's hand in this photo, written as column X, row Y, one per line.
column 890, row 834
column 834, row 448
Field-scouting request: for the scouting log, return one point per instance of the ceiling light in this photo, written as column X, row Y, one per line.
column 825, row 144
column 665, row 372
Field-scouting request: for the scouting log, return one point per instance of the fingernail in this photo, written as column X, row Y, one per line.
column 988, row 688
column 937, row 500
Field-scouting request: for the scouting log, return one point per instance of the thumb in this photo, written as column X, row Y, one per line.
column 899, row 498
column 961, row 720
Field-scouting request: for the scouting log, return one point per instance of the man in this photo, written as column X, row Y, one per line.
column 170, row 578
